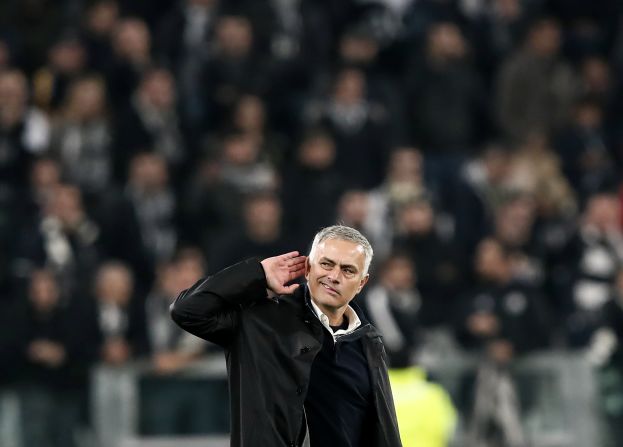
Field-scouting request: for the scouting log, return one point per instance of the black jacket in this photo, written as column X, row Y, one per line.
column 270, row 345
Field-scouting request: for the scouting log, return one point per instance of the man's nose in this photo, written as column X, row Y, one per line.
column 334, row 274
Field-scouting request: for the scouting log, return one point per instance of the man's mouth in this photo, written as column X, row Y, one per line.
column 330, row 289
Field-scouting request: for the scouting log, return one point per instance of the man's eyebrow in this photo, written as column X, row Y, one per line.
column 324, row 258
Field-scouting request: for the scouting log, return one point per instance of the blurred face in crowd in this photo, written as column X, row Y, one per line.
column 353, row 208
column 132, row 40
column 514, row 221
column 250, row 113
column 446, row 42
column 405, row 165
column 491, row 262
column 158, row 89
column 114, row 284
column 262, row 216
column 68, row 56
column 358, row 49
column 350, row 86
column 190, row 268
column 149, row 172
column 588, row 115
column 13, row 97
column 496, row 162
column 66, row 205
column 603, row 212
column 43, row 291
column 234, row 36
column 45, row 174
column 398, row 274
column 102, row 17
column 596, row 75
column 317, row 152
column 166, row 277
column 86, row 100
column 508, row 9
column 544, row 38
column 335, row 274
column 240, row 150
column 417, row 218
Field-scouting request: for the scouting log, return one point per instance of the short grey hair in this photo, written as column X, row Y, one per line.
column 344, row 233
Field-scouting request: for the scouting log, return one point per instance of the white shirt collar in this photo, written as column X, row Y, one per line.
column 353, row 321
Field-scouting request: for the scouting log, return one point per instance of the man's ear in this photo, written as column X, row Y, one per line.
column 363, row 282
column 307, row 267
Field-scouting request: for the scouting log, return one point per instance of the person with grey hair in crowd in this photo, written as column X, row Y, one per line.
column 305, row 367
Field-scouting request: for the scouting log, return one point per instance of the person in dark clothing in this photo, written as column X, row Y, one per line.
column 502, row 318
column 51, row 350
column 314, row 178
column 63, row 238
column 305, row 368
column 436, row 260
column 394, row 305
column 150, row 123
column 359, row 125
column 121, row 319
column 261, row 233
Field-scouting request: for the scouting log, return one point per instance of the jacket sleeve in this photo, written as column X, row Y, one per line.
column 211, row 308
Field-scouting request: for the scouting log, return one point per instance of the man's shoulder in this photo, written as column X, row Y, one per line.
column 288, row 303
column 294, row 301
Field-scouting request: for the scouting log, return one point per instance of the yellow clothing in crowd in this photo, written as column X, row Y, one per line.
column 426, row 415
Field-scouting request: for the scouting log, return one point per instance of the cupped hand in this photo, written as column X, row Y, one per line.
column 283, row 269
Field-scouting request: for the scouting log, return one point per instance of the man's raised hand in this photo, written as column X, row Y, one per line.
column 282, row 269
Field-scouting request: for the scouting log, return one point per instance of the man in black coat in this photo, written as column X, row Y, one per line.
column 305, row 368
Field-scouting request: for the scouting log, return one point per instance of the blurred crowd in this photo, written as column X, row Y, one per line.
column 144, row 144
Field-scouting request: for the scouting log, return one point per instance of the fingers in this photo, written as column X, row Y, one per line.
column 292, row 254
column 297, row 263
column 297, row 274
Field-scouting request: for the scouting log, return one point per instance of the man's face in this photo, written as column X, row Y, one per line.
column 335, row 274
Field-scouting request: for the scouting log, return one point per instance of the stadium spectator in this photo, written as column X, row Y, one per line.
column 149, row 191
column 120, row 315
column 312, row 182
column 24, row 132
column 535, row 86
column 394, row 306
column 260, row 235
column 81, row 137
column 403, row 183
column 172, row 405
column 150, row 123
column 56, row 344
column 64, row 239
column 359, row 126
column 99, row 24
column 132, row 56
column 67, row 60
column 445, row 101
column 437, row 262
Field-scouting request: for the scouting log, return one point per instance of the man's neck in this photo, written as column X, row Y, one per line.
column 343, row 326
column 336, row 316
